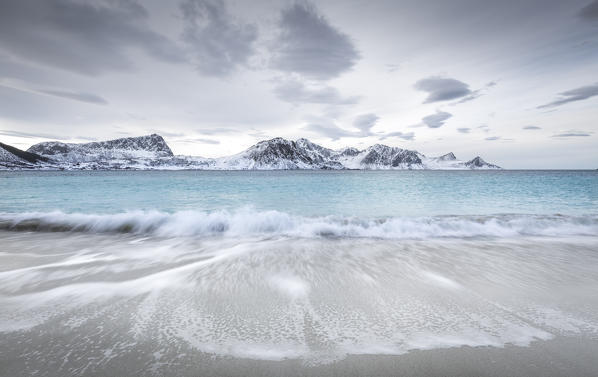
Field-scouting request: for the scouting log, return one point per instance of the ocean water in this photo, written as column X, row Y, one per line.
column 372, row 194
column 145, row 273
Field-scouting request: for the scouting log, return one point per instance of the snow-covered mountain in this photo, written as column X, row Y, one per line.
column 131, row 152
column 152, row 152
column 14, row 158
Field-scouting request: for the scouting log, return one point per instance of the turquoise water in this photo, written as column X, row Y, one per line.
column 369, row 194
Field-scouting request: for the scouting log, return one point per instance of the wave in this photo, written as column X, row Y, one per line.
column 248, row 222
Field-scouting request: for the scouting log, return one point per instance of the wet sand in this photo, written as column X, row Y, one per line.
column 557, row 357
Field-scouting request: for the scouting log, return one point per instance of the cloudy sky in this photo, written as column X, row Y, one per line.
column 515, row 81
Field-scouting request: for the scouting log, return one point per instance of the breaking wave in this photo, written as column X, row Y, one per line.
column 247, row 222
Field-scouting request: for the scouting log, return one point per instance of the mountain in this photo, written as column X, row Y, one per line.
column 152, row 152
column 447, row 157
column 380, row 156
column 478, row 163
column 279, row 153
column 130, row 152
column 14, row 158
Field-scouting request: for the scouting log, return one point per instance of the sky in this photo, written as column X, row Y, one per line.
column 515, row 82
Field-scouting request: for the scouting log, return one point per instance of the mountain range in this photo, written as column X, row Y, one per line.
column 152, row 152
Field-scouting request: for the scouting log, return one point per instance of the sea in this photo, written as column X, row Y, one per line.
column 150, row 272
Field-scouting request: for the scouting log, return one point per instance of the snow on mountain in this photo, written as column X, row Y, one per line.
column 14, row 158
column 152, row 152
column 447, row 157
column 478, row 163
column 279, row 153
column 126, row 150
column 380, row 156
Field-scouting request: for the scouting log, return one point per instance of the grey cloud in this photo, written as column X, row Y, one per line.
column 436, row 120
column 496, row 138
column 28, row 135
column 168, row 133
column 219, row 43
column 66, row 94
column 199, row 140
column 464, row 130
column 259, row 134
column 399, row 134
column 208, row 141
column 295, row 91
column 532, row 128
column 442, row 88
column 217, row 131
column 79, row 36
column 365, row 122
column 484, row 128
column 392, row 67
column 578, row 94
column 309, row 45
column 475, row 94
column 330, row 130
column 76, row 96
column 590, row 11
column 573, row 134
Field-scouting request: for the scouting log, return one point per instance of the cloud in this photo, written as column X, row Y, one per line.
column 475, row 94
column 219, row 43
column 325, row 127
column 217, row 131
column 578, row 94
column 66, row 94
column 331, row 131
column 443, row 89
column 309, row 45
column 28, row 135
column 436, row 120
column 464, row 130
column 590, row 11
column 365, row 122
column 496, row 138
column 572, row 133
column 199, row 140
column 167, row 133
column 399, row 134
column 295, row 91
column 82, row 37
column 76, row 96
column 392, row 67
column 207, row 141
column 531, row 128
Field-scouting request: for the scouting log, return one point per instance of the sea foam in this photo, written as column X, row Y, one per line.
column 249, row 222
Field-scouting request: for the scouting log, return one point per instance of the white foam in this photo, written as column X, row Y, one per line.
column 313, row 299
column 289, row 285
column 247, row 222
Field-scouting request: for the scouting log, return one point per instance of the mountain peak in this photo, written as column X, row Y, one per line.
column 447, row 157
column 478, row 162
